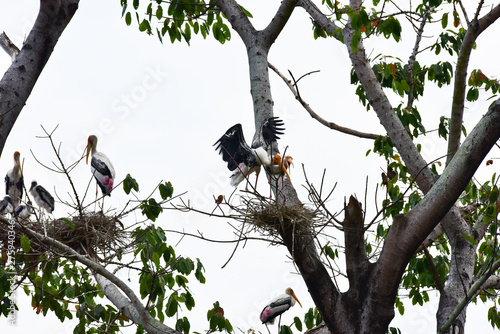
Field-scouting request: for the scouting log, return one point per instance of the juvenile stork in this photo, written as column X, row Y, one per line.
column 6, row 206
column 14, row 181
column 278, row 306
column 242, row 159
column 23, row 212
column 101, row 167
column 42, row 197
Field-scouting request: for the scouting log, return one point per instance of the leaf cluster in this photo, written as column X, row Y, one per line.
column 178, row 20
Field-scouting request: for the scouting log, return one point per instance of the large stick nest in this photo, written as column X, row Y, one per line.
column 91, row 233
column 270, row 216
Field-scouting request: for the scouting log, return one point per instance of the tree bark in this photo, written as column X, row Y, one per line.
column 18, row 81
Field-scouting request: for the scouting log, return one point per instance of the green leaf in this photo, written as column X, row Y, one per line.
column 130, row 183
column 297, row 323
column 469, row 239
column 25, row 243
column 69, row 222
column 166, row 190
column 356, row 38
column 128, row 19
column 159, row 12
column 444, row 20
column 172, row 306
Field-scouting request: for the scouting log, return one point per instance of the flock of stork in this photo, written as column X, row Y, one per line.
column 12, row 203
column 242, row 160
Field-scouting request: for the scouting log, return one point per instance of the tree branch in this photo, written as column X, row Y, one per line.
column 314, row 115
column 131, row 304
column 413, row 56
column 9, row 47
column 476, row 27
column 472, row 291
column 19, row 80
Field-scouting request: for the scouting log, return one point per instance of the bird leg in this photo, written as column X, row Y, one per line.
column 268, row 329
column 42, row 222
column 279, row 325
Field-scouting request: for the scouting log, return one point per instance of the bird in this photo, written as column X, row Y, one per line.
column 278, row 306
column 14, row 181
column 242, row 159
column 42, row 197
column 281, row 166
column 22, row 212
column 6, row 205
column 101, row 167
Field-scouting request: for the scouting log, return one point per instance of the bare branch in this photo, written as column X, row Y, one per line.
column 411, row 61
column 293, row 87
column 9, row 47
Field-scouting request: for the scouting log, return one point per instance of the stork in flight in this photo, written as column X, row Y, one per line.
column 242, row 159
column 101, row 167
column 14, row 181
column 278, row 306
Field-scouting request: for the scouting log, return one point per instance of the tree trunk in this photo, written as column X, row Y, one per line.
column 19, row 80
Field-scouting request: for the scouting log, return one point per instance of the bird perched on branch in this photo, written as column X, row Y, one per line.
column 14, row 182
column 42, row 197
column 278, row 306
column 6, row 206
column 101, row 167
column 242, row 159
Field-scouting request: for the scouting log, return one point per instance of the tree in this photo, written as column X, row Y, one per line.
column 65, row 265
column 419, row 212
column 426, row 210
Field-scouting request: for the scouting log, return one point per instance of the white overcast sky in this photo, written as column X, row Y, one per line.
column 157, row 110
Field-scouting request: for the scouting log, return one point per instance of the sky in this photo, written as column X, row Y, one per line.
column 158, row 109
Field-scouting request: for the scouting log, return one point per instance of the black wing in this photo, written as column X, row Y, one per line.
column 9, row 183
column 233, row 147
column 100, row 166
column 45, row 196
column 271, row 128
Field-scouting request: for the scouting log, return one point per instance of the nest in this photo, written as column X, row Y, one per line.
column 90, row 234
column 270, row 216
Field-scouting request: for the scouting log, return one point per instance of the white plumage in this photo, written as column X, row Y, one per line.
column 101, row 167
column 14, row 181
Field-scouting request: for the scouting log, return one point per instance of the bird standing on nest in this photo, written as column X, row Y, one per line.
column 23, row 212
column 278, row 306
column 100, row 166
column 242, row 159
column 14, row 181
column 43, row 199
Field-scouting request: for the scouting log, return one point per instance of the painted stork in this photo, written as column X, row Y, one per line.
column 278, row 306
column 42, row 197
column 101, row 167
column 14, row 181
column 22, row 212
column 6, row 206
column 281, row 166
column 242, row 159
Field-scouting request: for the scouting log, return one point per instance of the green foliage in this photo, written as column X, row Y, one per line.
column 217, row 320
column 130, row 183
column 69, row 290
column 477, row 79
column 178, row 20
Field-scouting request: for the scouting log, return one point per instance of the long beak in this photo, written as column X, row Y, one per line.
column 286, row 172
column 19, row 165
column 295, row 297
column 88, row 152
